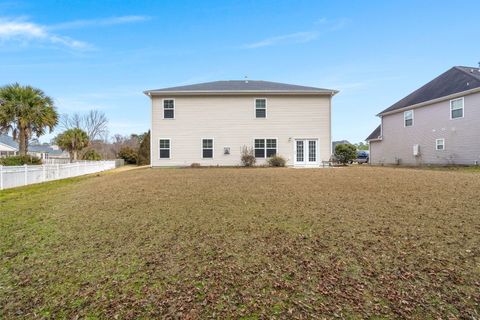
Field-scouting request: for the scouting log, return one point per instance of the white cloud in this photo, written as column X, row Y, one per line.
column 98, row 22
column 321, row 26
column 299, row 37
column 332, row 25
column 24, row 31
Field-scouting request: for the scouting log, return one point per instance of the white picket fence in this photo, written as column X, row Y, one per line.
column 15, row 176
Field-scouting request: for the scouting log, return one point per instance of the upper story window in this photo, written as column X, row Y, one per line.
column 265, row 148
column 440, row 144
column 164, row 145
column 408, row 118
column 168, row 109
column 207, row 148
column 260, row 108
column 456, row 108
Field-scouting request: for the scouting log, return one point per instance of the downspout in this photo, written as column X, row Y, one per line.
column 330, row 125
column 369, row 152
column 151, row 131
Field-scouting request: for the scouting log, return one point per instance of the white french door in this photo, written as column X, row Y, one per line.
column 306, row 152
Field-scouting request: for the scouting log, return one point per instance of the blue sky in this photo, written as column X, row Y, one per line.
column 103, row 54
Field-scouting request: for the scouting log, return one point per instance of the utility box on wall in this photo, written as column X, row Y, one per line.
column 416, row 150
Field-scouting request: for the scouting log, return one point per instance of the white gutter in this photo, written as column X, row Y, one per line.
column 240, row 92
column 9, row 146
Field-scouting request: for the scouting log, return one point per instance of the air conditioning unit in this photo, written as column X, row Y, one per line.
column 416, row 150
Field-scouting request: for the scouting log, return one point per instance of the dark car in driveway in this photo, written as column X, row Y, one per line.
column 362, row 157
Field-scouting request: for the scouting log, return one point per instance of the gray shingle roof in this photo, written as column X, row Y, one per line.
column 42, row 148
column 7, row 140
column 241, row 86
column 455, row 80
column 375, row 134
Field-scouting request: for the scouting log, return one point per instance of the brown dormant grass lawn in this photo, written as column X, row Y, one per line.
column 354, row 242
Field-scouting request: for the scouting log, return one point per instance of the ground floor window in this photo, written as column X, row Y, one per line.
column 7, row 153
column 312, row 151
column 164, row 148
column 440, row 144
column 207, row 148
column 265, row 148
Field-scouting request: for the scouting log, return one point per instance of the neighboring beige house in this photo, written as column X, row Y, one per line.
column 209, row 123
column 437, row 124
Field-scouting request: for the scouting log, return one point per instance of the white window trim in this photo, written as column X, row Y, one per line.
column 213, row 148
column 463, row 108
column 413, row 118
column 265, row 148
column 169, row 148
column 163, row 109
column 255, row 108
column 437, row 144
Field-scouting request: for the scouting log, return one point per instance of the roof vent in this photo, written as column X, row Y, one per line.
column 246, row 79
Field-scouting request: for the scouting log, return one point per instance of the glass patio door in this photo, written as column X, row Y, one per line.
column 306, row 152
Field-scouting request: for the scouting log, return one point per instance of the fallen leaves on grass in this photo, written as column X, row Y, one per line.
column 252, row 244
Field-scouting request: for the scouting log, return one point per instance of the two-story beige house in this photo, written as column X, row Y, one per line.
column 438, row 123
column 210, row 123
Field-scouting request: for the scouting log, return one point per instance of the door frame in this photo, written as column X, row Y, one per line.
column 306, row 147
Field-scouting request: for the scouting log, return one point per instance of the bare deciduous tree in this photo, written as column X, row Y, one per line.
column 94, row 123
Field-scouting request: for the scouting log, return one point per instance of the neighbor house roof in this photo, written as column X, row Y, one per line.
column 44, row 148
column 457, row 79
column 7, row 140
column 240, row 86
column 376, row 134
column 41, row 148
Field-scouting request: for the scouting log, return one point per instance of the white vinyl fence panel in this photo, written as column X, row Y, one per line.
column 15, row 176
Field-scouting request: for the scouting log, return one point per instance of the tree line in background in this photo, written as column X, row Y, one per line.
column 28, row 113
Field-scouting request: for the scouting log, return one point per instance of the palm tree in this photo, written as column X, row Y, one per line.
column 26, row 111
column 72, row 140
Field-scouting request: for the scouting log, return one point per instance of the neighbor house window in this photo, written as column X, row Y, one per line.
column 168, row 109
column 164, row 148
column 408, row 118
column 260, row 108
column 440, row 144
column 265, row 148
column 207, row 148
column 456, row 108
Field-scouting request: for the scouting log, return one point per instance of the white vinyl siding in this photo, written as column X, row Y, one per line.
column 231, row 121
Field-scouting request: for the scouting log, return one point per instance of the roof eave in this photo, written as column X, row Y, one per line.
column 14, row 148
column 241, row 92
column 421, row 104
